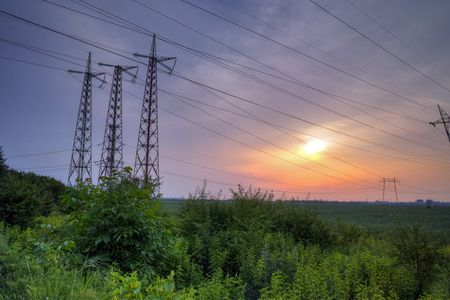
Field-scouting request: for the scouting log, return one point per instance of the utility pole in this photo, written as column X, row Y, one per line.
column 112, row 150
column 147, row 150
column 389, row 180
column 81, row 160
column 445, row 119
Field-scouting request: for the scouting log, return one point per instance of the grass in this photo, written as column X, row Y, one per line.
column 374, row 217
column 24, row 278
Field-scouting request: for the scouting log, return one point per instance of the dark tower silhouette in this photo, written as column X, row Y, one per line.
column 112, row 150
column 81, row 160
column 389, row 180
column 147, row 150
column 445, row 119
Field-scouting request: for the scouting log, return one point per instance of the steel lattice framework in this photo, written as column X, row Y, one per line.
column 445, row 119
column 81, row 160
column 389, row 180
column 112, row 150
column 147, row 150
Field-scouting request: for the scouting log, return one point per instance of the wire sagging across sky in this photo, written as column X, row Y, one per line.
column 254, row 85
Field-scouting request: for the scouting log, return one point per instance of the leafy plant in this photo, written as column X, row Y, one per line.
column 419, row 247
column 26, row 196
column 119, row 221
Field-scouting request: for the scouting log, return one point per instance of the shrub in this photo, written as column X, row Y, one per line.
column 20, row 202
column 302, row 223
column 418, row 247
column 250, row 235
column 25, row 196
column 119, row 221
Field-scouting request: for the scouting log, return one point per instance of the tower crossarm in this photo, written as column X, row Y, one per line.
column 445, row 119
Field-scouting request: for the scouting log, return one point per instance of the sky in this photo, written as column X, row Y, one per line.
column 309, row 99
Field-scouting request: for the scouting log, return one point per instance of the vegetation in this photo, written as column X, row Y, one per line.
column 119, row 221
column 115, row 241
column 26, row 196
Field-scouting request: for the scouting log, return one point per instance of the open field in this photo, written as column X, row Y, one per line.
column 374, row 217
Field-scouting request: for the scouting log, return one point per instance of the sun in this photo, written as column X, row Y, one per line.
column 314, row 147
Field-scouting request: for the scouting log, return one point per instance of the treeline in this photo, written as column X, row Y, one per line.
column 26, row 196
column 114, row 241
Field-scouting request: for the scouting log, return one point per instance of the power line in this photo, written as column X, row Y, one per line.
column 380, row 46
column 277, row 146
column 300, row 119
column 245, row 176
column 311, row 45
column 197, row 52
column 304, row 133
column 67, row 35
column 312, row 103
column 33, row 63
column 185, row 78
column 303, row 54
column 301, row 98
column 400, row 40
column 38, row 154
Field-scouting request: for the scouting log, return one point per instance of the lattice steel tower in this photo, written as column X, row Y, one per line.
column 112, row 150
column 147, row 150
column 389, row 180
column 81, row 160
column 445, row 119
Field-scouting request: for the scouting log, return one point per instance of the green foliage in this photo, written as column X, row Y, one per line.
column 14, row 273
column 131, row 287
column 221, row 233
column 249, row 247
column 220, row 287
column 20, row 202
column 302, row 223
column 362, row 275
column 23, row 277
column 345, row 234
column 26, row 196
column 119, row 221
column 3, row 166
column 418, row 247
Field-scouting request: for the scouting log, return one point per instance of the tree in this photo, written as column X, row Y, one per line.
column 25, row 196
column 20, row 202
column 3, row 166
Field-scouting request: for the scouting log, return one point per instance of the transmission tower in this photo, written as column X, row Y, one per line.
column 147, row 150
column 81, row 160
column 112, row 150
column 445, row 119
column 389, row 180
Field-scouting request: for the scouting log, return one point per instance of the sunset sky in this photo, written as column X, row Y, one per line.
column 314, row 99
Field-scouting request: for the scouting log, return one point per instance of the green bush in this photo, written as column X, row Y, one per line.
column 119, row 221
column 360, row 275
column 26, row 196
column 302, row 223
column 251, row 235
column 20, row 202
column 418, row 247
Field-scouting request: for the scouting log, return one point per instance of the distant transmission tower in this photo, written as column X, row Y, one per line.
column 112, row 150
column 147, row 152
column 445, row 119
column 81, row 160
column 389, row 180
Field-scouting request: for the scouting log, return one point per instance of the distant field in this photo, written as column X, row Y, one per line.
column 374, row 217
